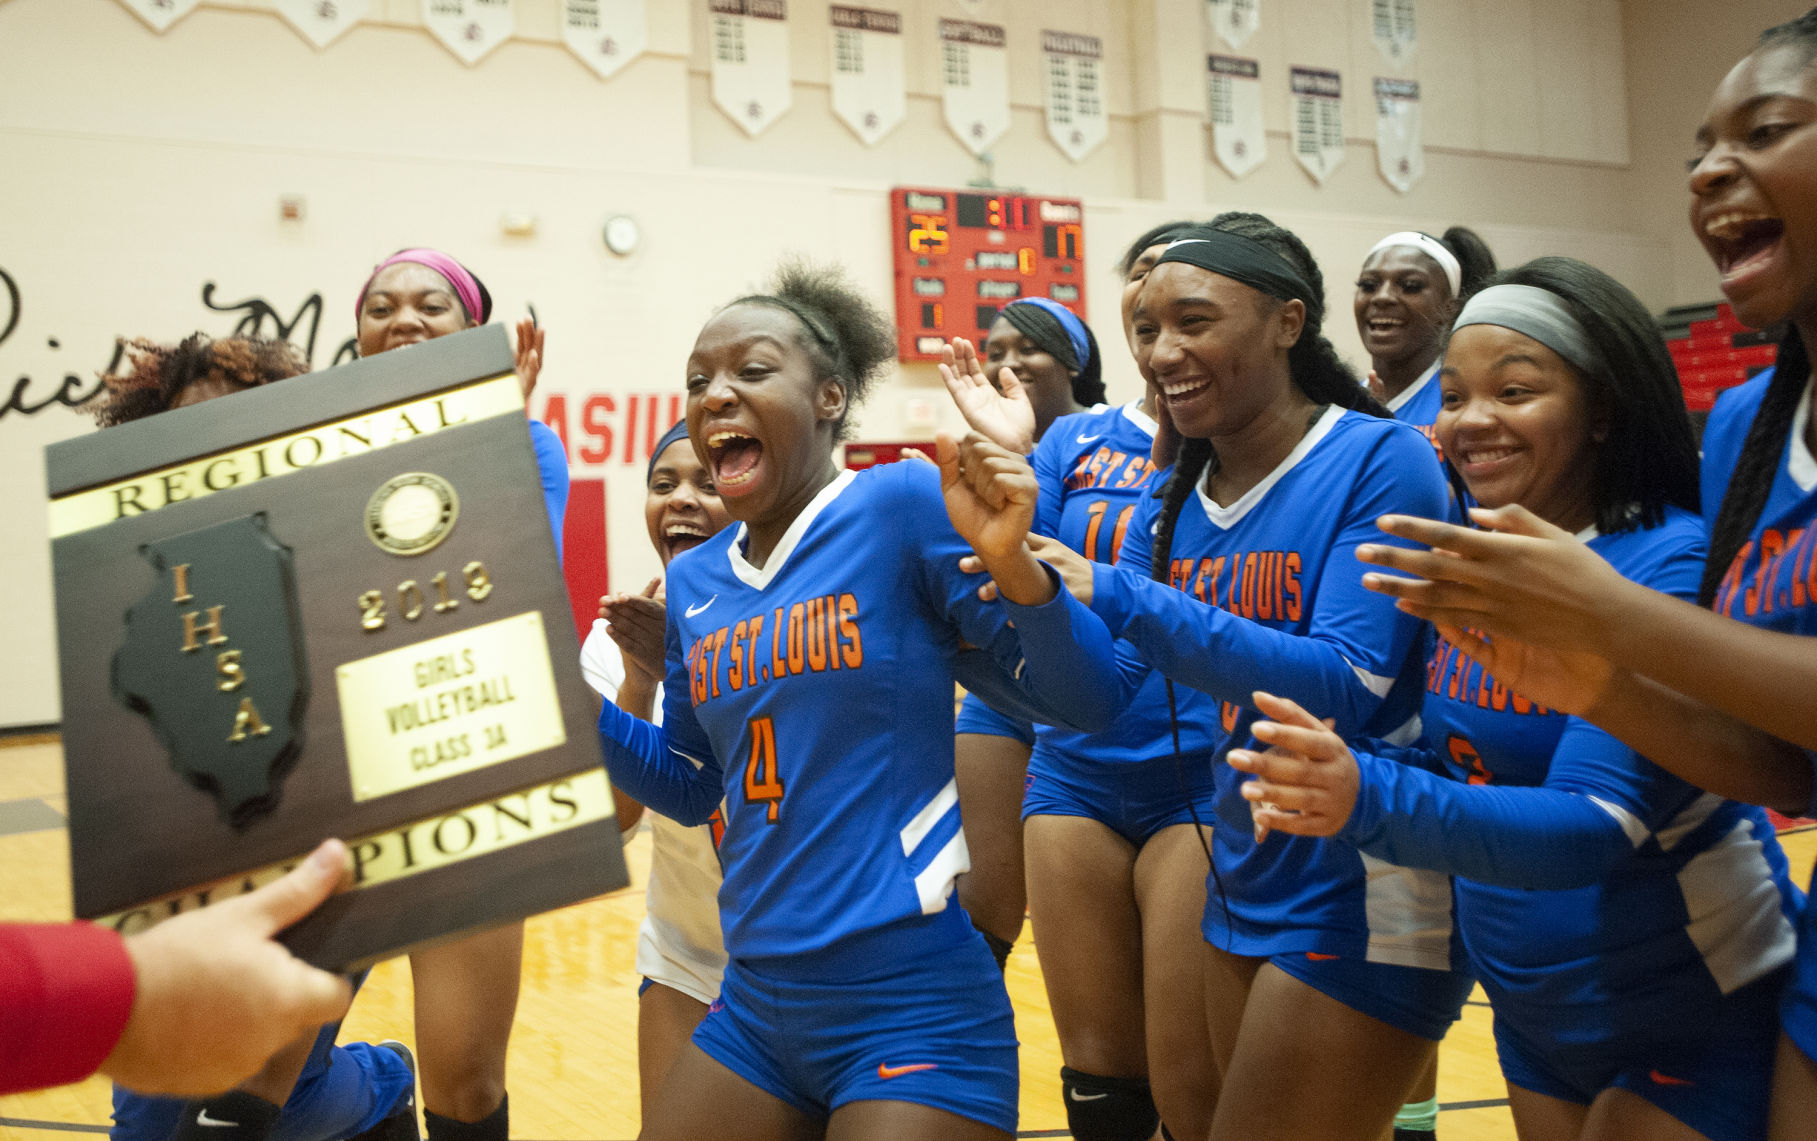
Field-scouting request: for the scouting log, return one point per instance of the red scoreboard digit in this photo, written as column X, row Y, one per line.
column 961, row 255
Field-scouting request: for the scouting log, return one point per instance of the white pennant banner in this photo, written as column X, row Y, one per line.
column 321, row 22
column 469, row 28
column 1076, row 121
column 870, row 84
column 974, row 77
column 1237, row 136
column 605, row 34
column 1397, row 133
column 1235, row 20
column 1318, row 120
column 160, row 14
column 751, row 61
column 1392, row 28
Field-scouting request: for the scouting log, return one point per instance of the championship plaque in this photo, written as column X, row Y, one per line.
column 330, row 606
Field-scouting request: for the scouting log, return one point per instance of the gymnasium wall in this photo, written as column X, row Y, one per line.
column 1678, row 51
column 140, row 169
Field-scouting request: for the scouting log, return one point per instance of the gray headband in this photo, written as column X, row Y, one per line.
column 1537, row 313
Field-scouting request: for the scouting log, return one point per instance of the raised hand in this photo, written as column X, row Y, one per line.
column 1307, row 780
column 215, row 996
column 529, row 355
column 1001, row 412
column 636, row 624
column 990, row 495
column 1521, row 578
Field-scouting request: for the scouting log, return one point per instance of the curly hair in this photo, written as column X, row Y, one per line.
column 1317, row 371
column 849, row 338
column 159, row 374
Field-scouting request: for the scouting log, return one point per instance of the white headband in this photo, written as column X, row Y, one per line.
column 1432, row 248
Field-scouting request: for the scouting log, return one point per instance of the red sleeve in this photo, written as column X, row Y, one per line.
column 66, row 990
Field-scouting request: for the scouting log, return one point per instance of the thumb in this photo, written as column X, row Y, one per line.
column 946, row 454
column 1009, row 386
column 284, row 902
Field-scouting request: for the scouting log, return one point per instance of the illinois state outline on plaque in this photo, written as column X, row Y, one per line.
column 870, row 85
column 469, row 28
column 605, row 34
column 974, row 82
column 750, row 54
column 321, row 22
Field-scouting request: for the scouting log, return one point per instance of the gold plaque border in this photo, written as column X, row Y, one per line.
column 412, row 848
column 276, row 456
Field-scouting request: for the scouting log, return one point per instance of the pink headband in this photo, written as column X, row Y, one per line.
column 466, row 286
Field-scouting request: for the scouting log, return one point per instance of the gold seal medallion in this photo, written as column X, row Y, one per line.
column 412, row 513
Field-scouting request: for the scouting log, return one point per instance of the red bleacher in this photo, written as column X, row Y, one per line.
column 1713, row 351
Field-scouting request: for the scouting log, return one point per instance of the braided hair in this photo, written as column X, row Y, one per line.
column 158, row 374
column 1313, row 362
column 1752, row 480
column 848, row 338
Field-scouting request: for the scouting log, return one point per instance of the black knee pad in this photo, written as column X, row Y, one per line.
column 1000, row 948
column 1107, row 1109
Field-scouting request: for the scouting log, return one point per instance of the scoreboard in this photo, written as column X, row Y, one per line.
column 962, row 255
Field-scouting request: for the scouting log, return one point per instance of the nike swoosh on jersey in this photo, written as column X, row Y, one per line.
column 693, row 610
column 886, row 1072
column 1089, row 439
column 1077, row 1096
column 1660, row 1079
column 202, row 1118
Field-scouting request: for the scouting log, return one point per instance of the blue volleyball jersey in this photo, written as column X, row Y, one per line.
column 1419, row 404
column 1093, row 468
column 814, row 696
column 1599, row 896
column 1267, row 594
column 1772, row 583
column 1095, row 474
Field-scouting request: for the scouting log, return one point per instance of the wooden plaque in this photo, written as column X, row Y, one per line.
column 327, row 607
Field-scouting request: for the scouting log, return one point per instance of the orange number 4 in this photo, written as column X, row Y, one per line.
column 1465, row 756
column 762, row 780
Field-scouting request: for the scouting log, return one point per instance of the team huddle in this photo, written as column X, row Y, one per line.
column 1296, row 704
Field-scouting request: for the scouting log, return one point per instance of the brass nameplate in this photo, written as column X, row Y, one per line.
column 284, row 455
column 448, row 705
column 424, row 845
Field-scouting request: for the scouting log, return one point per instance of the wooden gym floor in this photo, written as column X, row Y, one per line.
column 573, row 1068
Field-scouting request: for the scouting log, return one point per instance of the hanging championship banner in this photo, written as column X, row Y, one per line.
column 1392, row 26
column 1318, row 120
column 469, row 28
column 1397, row 132
column 751, row 61
column 605, row 34
column 321, row 22
column 160, row 14
column 1237, row 137
column 870, row 86
column 1235, row 20
column 974, row 76
column 1075, row 92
